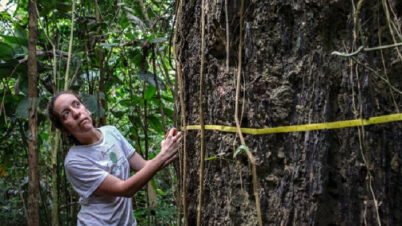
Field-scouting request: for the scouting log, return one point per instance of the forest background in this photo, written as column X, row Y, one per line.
column 145, row 66
column 115, row 54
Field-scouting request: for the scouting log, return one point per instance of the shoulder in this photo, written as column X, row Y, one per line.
column 77, row 154
column 108, row 128
column 110, row 131
column 72, row 154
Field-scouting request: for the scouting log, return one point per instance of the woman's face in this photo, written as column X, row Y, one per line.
column 73, row 115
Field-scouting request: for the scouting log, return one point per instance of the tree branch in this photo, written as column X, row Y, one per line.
column 59, row 53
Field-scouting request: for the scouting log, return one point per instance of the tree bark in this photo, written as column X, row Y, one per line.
column 101, row 101
column 348, row 176
column 33, row 185
column 54, row 139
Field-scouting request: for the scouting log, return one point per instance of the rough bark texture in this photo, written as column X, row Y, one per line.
column 291, row 78
column 33, row 185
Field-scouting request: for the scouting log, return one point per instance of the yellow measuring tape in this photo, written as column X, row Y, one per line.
column 308, row 127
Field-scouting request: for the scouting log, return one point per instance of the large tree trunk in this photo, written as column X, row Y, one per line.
column 33, row 185
column 290, row 77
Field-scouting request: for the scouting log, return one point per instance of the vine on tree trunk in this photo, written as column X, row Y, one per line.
column 202, row 154
column 249, row 154
column 183, row 118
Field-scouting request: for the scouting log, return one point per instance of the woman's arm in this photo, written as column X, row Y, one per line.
column 113, row 186
column 136, row 162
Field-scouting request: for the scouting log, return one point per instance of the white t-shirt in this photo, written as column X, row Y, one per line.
column 88, row 165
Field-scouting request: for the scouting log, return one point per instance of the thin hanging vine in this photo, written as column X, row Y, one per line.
column 183, row 156
column 249, row 154
column 201, row 98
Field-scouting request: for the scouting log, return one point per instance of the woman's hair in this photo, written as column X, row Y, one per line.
column 54, row 118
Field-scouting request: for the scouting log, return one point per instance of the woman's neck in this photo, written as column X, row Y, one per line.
column 91, row 137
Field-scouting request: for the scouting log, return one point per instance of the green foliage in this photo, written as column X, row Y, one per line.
column 11, row 211
column 149, row 92
column 18, row 44
column 165, row 212
column 7, row 52
column 92, row 103
column 150, row 79
column 129, row 87
column 158, row 40
column 23, row 106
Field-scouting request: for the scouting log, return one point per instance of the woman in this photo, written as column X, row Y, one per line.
column 98, row 165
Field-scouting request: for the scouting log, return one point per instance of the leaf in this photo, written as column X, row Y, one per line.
column 134, row 100
column 109, row 45
column 211, row 158
column 113, row 157
column 162, row 48
column 140, row 213
column 129, row 9
column 3, row 171
column 44, row 135
column 13, row 64
column 20, row 49
column 45, row 144
column 215, row 156
column 24, row 181
column 155, row 123
column 5, row 72
column 149, row 92
column 118, row 114
column 136, row 20
column 116, row 80
column 23, row 85
column 124, row 23
column 14, row 40
column 96, row 27
column 22, row 109
column 137, row 100
column 137, row 61
column 135, row 121
column 238, row 150
column 91, row 102
column 134, row 52
column 130, row 36
column 168, row 112
column 125, row 102
column 160, row 191
column 149, row 78
column 5, row 15
column 63, row 7
column 153, row 183
column 47, row 6
column 167, row 98
column 158, row 40
column 20, row 31
column 154, row 102
column 6, row 52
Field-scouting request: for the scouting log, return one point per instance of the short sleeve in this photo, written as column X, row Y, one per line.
column 128, row 149
column 84, row 176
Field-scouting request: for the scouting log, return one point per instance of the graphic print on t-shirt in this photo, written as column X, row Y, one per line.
column 116, row 163
column 117, row 160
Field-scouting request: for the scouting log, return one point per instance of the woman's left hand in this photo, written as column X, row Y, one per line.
column 170, row 147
